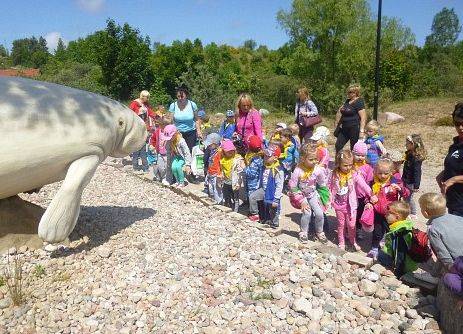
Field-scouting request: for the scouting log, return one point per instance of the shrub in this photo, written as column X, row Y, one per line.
column 444, row 121
column 13, row 278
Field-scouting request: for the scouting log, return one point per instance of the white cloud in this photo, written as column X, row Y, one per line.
column 52, row 40
column 91, row 6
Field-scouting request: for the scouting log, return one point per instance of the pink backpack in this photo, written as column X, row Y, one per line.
column 296, row 199
column 367, row 219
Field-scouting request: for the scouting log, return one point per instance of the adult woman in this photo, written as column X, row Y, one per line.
column 350, row 119
column 450, row 179
column 143, row 109
column 248, row 119
column 185, row 117
column 304, row 108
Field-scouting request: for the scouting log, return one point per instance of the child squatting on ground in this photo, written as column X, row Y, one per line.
column 445, row 232
column 178, row 155
column 305, row 179
column 394, row 254
column 346, row 186
column 270, row 190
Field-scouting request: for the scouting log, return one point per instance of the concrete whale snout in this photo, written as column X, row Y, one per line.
column 134, row 134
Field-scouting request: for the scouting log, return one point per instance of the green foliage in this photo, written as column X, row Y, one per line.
column 445, row 28
column 444, row 121
column 39, row 271
column 30, row 52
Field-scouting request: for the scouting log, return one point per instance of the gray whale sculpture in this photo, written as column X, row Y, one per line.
column 50, row 133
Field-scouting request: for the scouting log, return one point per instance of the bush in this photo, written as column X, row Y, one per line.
column 444, row 121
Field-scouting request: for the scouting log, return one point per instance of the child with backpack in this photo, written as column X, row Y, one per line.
column 178, row 155
column 231, row 169
column 385, row 190
column 375, row 143
column 445, row 233
column 289, row 156
column 398, row 240
column 305, row 179
column 411, row 175
column 254, row 161
column 270, row 189
column 345, row 187
column 160, row 167
column 228, row 127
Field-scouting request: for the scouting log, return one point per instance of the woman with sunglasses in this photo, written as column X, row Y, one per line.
column 450, row 179
column 248, row 120
column 350, row 119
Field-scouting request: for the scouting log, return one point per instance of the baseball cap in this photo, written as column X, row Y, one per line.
column 169, row 131
column 227, row 145
column 201, row 113
column 230, row 113
column 322, row 132
column 282, row 125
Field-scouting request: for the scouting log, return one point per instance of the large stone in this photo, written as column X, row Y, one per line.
column 368, row 287
column 19, row 221
column 358, row 259
column 302, row 305
column 390, row 118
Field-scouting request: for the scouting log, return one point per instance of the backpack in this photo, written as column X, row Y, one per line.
column 419, row 249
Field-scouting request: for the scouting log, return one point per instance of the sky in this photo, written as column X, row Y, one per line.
column 220, row 21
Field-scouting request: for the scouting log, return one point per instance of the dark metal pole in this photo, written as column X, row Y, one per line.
column 378, row 55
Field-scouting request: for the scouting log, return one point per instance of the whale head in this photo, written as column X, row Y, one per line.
column 131, row 134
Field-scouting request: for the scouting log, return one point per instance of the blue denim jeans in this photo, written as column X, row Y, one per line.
column 140, row 154
column 215, row 191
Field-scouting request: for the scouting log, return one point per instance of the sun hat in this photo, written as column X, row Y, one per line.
column 227, row 145
column 230, row 113
column 322, row 132
column 254, row 143
column 273, row 151
column 201, row 113
column 282, row 125
column 212, row 138
column 169, row 131
column 360, row 148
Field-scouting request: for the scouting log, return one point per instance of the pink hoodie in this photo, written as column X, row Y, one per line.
column 357, row 188
column 252, row 123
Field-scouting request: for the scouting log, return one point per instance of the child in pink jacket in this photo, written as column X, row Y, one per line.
column 346, row 186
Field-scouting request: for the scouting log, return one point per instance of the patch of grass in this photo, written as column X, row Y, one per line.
column 444, row 121
column 266, row 295
column 263, row 283
column 39, row 271
column 13, row 278
column 62, row 277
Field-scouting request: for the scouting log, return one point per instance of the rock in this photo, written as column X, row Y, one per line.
column 429, row 311
column 104, row 252
column 411, row 313
column 293, row 277
column 316, row 314
column 382, row 294
column 391, row 282
column 329, row 308
column 4, row 303
column 358, row 259
column 377, row 268
column 50, row 247
column 135, row 297
column 317, row 292
column 432, row 325
column 390, row 306
column 372, row 276
column 404, row 326
column 302, row 305
column 403, row 289
column 368, row 287
column 281, row 314
column 390, row 118
column 277, row 292
column 363, row 310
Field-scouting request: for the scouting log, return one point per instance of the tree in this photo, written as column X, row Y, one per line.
column 60, row 52
column 5, row 60
column 445, row 28
column 250, row 44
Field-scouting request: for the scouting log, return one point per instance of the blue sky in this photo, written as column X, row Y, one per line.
column 220, row 21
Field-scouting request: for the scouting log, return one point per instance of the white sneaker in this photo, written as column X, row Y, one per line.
column 165, row 182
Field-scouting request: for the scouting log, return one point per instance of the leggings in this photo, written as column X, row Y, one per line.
column 230, row 197
column 305, row 133
column 177, row 169
column 346, row 219
column 315, row 207
column 347, row 133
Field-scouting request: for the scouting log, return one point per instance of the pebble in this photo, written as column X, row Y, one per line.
column 302, row 305
column 368, row 287
column 104, row 252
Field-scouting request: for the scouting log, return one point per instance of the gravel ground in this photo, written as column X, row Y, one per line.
column 143, row 259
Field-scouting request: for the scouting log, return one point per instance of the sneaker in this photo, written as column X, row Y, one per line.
column 342, row 246
column 181, row 185
column 165, row 182
column 274, row 225
column 303, row 238
column 356, row 247
column 321, row 237
column 373, row 253
column 254, row 218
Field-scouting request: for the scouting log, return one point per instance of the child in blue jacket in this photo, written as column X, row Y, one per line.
column 254, row 160
column 228, row 127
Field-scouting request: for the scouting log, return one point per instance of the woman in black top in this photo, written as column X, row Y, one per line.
column 450, row 179
column 350, row 119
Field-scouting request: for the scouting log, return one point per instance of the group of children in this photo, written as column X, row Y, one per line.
column 364, row 186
